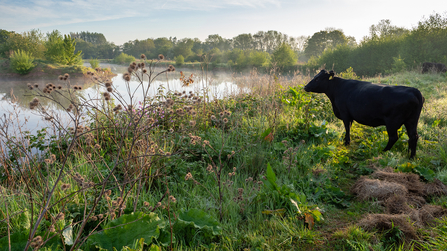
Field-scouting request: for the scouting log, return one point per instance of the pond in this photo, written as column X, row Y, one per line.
column 15, row 95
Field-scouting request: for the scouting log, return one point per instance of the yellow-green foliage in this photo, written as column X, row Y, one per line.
column 21, row 62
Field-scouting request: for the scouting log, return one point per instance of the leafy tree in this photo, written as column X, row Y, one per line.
column 321, row 40
column 259, row 58
column 4, row 35
column 284, row 56
column 243, row 41
column 183, row 47
column 31, row 42
column 162, row 46
column 70, row 56
column 55, row 47
column 385, row 29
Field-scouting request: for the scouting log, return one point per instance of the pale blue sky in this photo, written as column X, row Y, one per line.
column 124, row 20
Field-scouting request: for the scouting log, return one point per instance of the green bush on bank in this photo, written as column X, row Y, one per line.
column 123, row 58
column 21, row 62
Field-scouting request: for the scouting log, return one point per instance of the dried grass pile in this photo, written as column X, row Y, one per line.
column 366, row 189
column 384, row 222
column 402, row 195
column 410, row 180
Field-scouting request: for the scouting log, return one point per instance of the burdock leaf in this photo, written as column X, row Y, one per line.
column 126, row 229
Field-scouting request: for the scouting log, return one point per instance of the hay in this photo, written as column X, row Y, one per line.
column 428, row 214
column 409, row 180
column 366, row 188
column 384, row 222
column 436, row 188
column 397, row 205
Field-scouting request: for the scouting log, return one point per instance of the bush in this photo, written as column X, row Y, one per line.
column 123, row 58
column 94, row 63
column 179, row 60
column 21, row 62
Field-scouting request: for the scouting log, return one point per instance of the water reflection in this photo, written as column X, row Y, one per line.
column 15, row 95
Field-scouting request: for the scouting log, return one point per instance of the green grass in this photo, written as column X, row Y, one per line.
column 318, row 174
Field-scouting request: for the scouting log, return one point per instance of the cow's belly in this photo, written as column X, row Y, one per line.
column 370, row 122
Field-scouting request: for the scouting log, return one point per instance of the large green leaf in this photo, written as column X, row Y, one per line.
column 271, row 179
column 195, row 225
column 126, row 229
column 19, row 240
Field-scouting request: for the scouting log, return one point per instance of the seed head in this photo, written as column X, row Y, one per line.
column 188, row 176
column 143, row 56
column 160, row 56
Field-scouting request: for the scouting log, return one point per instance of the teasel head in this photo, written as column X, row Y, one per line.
column 126, row 76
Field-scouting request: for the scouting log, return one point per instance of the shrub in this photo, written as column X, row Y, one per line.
column 123, row 58
column 21, row 62
column 179, row 60
column 94, row 63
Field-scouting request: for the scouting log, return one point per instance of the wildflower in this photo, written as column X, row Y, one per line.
column 65, row 186
column 171, row 130
column 158, row 204
column 146, row 204
column 225, row 120
column 192, row 123
column 172, row 198
column 221, row 114
column 108, row 192
column 213, row 118
column 160, row 56
column 100, row 216
column 227, row 113
column 188, row 176
column 47, row 161
column 53, row 157
column 52, row 229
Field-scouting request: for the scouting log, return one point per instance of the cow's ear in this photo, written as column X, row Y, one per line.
column 331, row 75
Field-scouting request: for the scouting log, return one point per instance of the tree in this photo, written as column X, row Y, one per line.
column 243, row 41
column 284, row 56
column 30, row 41
column 385, row 29
column 322, row 40
column 62, row 50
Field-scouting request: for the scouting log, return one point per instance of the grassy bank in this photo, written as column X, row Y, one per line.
column 43, row 70
column 263, row 171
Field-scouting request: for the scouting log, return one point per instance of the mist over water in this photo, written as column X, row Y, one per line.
column 15, row 95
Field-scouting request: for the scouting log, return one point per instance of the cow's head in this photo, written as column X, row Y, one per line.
column 319, row 82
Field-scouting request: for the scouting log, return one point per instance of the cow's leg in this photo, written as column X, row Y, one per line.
column 392, row 136
column 413, row 137
column 347, row 124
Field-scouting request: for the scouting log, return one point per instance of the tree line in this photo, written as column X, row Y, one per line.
column 386, row 49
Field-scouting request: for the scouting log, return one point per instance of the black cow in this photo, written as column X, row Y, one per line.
column 372, row 105
column 434, row 67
